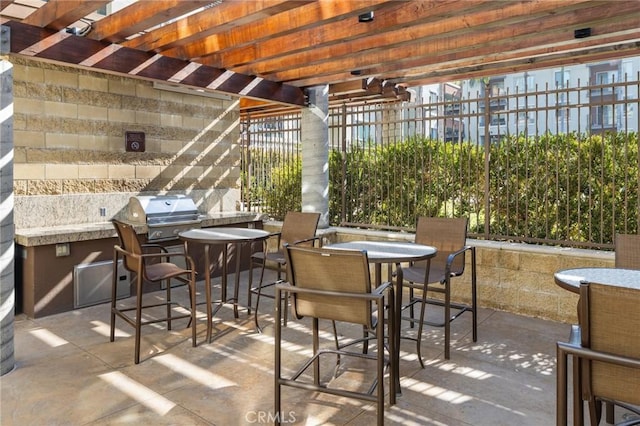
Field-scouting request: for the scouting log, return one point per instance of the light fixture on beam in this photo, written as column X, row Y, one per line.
column 582, row 33
column 365, row 17
column 356, row 72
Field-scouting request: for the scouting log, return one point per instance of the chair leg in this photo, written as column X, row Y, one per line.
column 411, row 309
column 255, row 313
column 447, row 317
column 192, row 298
column 595, row 411
column 138, row 321
column 423, row 306
column 114, row 285
column 474, row 295
column 168, row 284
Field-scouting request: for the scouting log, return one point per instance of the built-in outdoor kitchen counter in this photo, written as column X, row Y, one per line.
column 61, row 268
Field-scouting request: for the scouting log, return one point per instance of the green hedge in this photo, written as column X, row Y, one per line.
column 571, row 187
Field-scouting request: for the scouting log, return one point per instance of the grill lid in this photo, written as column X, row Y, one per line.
column 162, row 210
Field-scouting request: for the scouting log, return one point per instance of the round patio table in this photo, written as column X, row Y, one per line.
column 391, row 252
column 570, row 279
column 224, row 237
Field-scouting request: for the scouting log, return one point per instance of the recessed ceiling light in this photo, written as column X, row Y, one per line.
column 365, row 17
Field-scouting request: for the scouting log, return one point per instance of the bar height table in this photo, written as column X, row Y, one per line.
column 391, row 252
column 222, row 236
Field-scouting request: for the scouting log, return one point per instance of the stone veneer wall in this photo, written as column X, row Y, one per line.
column 69, row 137
column 511, row 277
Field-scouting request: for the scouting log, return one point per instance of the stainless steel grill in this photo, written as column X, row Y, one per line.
column 164, row 215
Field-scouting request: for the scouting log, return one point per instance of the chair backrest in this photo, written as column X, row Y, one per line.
column 344, row 271
column 627, row 251
column 445, row 234
column 299, row 226
column 128, row 242
column 610, row 323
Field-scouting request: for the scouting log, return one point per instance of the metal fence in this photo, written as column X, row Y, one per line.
column 552, row 165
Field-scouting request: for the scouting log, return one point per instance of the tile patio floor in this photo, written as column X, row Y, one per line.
column 68, row 373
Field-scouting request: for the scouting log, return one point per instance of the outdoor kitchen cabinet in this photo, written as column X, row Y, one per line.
column 45, row 259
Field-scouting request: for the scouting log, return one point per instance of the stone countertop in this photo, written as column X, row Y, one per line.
column 99, row 230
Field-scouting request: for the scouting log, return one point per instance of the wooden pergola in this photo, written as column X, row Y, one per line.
column 268, row 51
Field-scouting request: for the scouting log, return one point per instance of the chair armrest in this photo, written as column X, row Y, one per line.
column 594, row 355
column 306, row 240
column 452, row 257
column 154, row 246
column 382, row 287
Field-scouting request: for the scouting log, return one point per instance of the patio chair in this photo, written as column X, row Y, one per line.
column 627, row 251
column 448, row 236
column 150, row 262
column 298, row 228
column 336, row 285
column 608, row 352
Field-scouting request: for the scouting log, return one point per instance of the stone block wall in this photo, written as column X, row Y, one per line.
column 511, row 277
column 69, row 138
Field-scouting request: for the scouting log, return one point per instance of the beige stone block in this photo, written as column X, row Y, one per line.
column 145, row 117
column 90, row 112
column 172, row 146
column 170, row 120
column 61, row 171
column 145, row 90
column 61, row 78
column 61, row 109
column 94, row 142
column 148, row 172
column 537, row 304
column 191, row 122
column 122, row 171
column 29, row 106
column 44, row 187
column 76, row 186
column 122, row 86
column 510, row 259
column 28, row 139
column 28, row 73
column 19, row 187
column 19, row 155
column 120, row 115
column 92, row 82
column 61, row 140
column 93, row 171
column 28, row 171
column 540, row 262
column 168, row 96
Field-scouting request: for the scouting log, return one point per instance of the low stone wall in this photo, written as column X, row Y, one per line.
column 512, row 277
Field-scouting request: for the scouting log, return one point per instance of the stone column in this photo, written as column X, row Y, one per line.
column 7, row 279
column 315, row 154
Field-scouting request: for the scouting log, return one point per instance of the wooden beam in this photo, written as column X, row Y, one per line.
column 213, row 20
column 141, row 16
column 59, row 46
column 287, row 23
column 339, row 36
column 444, row 33
column 502, row 38
column 59, row 14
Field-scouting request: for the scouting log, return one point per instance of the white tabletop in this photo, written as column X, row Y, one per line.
column 388, row 251
column 223, row 235
column 570, row 279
